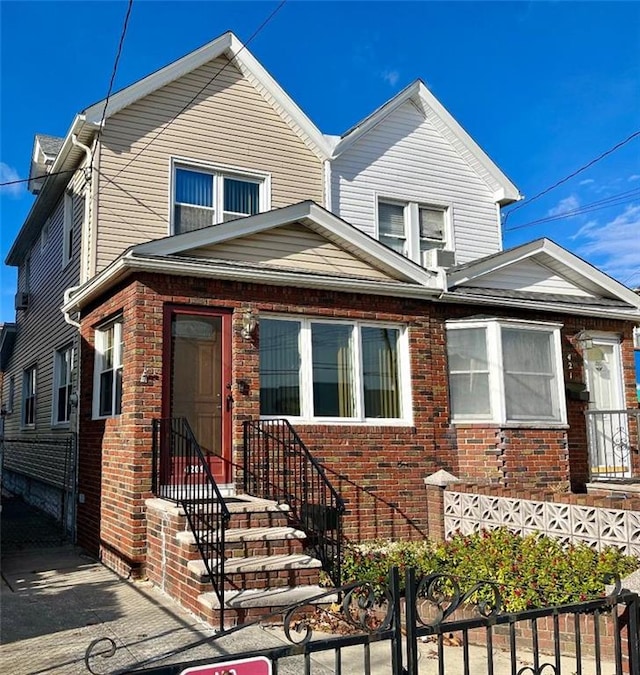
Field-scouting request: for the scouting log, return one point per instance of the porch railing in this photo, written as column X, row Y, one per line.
column 181, row 474
column 279, row 466
column 612, row 437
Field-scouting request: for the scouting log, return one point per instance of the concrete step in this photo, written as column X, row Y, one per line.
column 242, row 534
column 268, row 597
column 254, row 564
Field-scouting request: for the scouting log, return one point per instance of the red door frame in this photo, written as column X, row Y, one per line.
column 170, row 310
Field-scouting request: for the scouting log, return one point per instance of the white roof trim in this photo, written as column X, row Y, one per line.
column 504, row 189
column 322, row 221
column 591, row 274
column 227, row 44
column 224, row 270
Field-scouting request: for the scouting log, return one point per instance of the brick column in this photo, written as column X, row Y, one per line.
column 435, row 485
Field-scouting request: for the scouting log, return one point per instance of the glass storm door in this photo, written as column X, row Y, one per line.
column 200, row 386
column 607, row 428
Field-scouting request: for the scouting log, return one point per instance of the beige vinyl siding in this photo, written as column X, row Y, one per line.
column 528, row 275
column 41, row 329
column 229, row 125
column 292, row 247
column 407, row 158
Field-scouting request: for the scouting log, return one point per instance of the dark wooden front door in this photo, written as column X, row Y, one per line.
column 200, row 385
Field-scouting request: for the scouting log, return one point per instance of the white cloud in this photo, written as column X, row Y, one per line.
column 615, row 245
column 391, row 77
column 587, row 181
column 564, row 206
column 8, row 174
column 634, row 176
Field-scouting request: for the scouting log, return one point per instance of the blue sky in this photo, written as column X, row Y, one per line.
column 543, row 87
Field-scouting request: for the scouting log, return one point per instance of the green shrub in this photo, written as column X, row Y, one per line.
column 531, row 571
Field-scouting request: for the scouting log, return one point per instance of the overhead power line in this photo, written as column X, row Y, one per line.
column 26, row 180
column 614, row 200
column 528, row 201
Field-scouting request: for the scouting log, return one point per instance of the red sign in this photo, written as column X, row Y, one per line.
column 258, row 665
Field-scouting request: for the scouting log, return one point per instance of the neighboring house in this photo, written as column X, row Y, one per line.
column 233, row 266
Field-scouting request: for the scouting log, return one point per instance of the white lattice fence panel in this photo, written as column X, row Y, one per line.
column 592, row 525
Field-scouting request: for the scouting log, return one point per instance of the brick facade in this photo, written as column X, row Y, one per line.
column 377, row 469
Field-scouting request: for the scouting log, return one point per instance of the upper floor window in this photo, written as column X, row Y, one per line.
column 107, row 391
column 347, row 371
column 67, row 229
column 63, row 378
column 44, row 234
column 505, row 371
column 29, row 392
column 411, row 228
column 11, row 396
column 203, row 197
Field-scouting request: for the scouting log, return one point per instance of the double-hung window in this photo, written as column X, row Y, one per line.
column 505, row 371
column 411, row 229
column 63, row 384
column 107, row 400
column 330, row 370
column 67, row 229
column 29, row 396
column 203, row 197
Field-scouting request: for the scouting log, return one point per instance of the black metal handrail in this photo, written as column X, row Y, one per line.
column 279, row 466
column 181, row 473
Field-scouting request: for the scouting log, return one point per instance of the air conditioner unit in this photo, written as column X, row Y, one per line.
column 21, row 300
column 437, row 257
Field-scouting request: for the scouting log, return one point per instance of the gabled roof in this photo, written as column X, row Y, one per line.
column 7, row 340
column 170, row 255
column 226, row 45
column 504, row 190
column 506, row 278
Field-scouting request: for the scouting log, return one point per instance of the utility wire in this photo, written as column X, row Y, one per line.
column 526, row 202
column 46, row 175
column 615, row 200
column 206, row 85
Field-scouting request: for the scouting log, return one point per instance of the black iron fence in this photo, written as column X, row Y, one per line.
column 181, row 473
column 278, row 466
column 427, row 627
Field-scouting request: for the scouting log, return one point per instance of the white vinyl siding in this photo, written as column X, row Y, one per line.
column 230, row 124
column 505, row 372
column 42, row 326
column 407, row 158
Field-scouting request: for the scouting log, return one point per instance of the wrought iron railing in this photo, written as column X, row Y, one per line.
column 612, row 437
column 279, row 466
column 181, row 473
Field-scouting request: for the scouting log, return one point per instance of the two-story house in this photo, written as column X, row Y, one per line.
column 219, row 260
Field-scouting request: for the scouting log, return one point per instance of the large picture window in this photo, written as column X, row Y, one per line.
column 505, row 372
column 203, row 197
column 107, row 400
column 332, row 370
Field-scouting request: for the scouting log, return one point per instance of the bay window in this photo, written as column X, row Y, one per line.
column 332, row 370
column 204, row 196
column 505, row 371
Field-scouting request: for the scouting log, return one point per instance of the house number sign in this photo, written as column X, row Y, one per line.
column 258, row 665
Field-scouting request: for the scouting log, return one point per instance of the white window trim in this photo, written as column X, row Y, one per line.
column 116, row 324
column 498, row 414
column 263, row 179
column 306, row 375
column 23, row 423
column 45, row 234
column 67, row 228
column 412, row 222
column 56, row 384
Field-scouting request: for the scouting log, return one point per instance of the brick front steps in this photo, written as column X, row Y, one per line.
column 266, row 568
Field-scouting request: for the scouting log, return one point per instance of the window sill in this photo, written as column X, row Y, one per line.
column 492, row 424
column 60, row 425
column 323, row 421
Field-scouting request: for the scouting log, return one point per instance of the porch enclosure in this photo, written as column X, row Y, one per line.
column 613, row 441
column 409, row 625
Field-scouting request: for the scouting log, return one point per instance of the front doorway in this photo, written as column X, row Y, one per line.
column 198, row 386
column 610, row 455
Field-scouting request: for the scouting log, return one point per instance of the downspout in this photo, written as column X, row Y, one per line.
column 67, row 296
column 327, row 184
